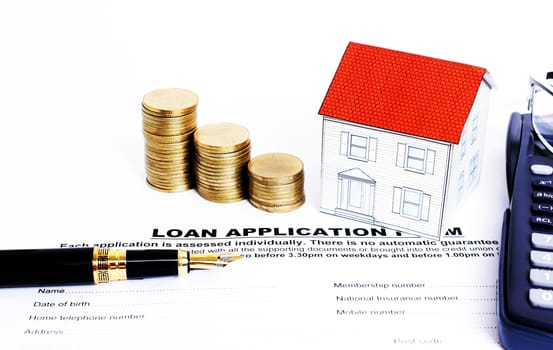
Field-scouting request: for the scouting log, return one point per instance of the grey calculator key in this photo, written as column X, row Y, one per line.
column 541, row 298
column 541, row 277
column 541, row 259
column 541, row 169
column 542, row 240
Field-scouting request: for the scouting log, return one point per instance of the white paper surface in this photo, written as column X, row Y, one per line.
column 312, row 289
column 72, row 77
column 389, row 293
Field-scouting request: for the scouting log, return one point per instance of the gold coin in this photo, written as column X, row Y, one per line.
column 169, row 118
column 277, row 199
column 169, row 147
column 172, row 123
column 167, row 174
column 166, row 166
column 170, row 101
column 215, row 191
column 221, row 197
column 168, row 179
column 275, row 208
column 268, row 188
column 169, row 189
column 288, row 199
column 178, row 153
column 231, row 157
column 222, row 167
column 221, row 137
column 176, row 179
column 276, row 182
column 164, row 139
column 167, row 183
column 162, row 131
column 227, row 176
column 277, row 168
column 220, row 183
column 186, row 119
column 168, row 123
column 217, row 195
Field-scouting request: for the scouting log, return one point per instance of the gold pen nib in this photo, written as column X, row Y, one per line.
column 207, row 261
column 212, row 260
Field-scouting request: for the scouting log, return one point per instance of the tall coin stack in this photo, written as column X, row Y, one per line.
column 276, row 182
column 222, row 155
column 169, row 122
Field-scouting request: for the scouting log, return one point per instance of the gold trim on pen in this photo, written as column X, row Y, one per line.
column 183, row 258
column 109, row 265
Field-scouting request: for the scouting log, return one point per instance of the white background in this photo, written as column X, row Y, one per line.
column 73, row 74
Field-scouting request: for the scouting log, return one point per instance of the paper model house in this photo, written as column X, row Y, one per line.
column 402, row 138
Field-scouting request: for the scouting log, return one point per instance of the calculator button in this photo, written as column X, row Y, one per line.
column 543, row 195
column 541, row 259
column 541, row 278
column 542, row 208
column 542, row 241
column 543, row 183
column 541, row 298
column 541, row 169
column 542, row 220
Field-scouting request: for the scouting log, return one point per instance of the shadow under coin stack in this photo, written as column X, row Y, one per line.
column 276, row 182
column 169, row 122
column 222, row 155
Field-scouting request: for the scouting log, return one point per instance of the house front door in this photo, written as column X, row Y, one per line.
column 355, row 193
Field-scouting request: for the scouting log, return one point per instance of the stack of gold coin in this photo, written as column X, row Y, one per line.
column 276, row 182
column 169, row 122
column 222, row 155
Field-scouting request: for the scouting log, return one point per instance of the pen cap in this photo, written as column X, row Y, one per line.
column 36, row 267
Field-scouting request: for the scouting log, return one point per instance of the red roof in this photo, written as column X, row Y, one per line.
column 402, row 92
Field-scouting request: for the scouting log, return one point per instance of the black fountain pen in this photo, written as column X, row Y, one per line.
column 63, row 266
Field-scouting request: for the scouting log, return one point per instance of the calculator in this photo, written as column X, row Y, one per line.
column 525, row 284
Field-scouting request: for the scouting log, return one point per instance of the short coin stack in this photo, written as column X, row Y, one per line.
column 169, row 122
column 222, row 155
column 276, row 182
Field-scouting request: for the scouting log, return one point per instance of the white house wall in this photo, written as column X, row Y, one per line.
column 382, row 176
column 462, row 183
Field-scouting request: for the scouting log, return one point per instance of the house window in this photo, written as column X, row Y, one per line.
column 463, row 144
column 473, row 168
column 415, row 158
column 358, row 147
column 475, row 128
column 461, row 182
column 411, row 203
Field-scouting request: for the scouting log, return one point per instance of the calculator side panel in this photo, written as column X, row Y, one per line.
column 520, row 323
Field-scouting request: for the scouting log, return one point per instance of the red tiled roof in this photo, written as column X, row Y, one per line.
column 402, row 92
